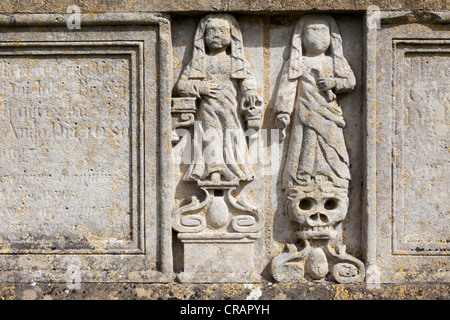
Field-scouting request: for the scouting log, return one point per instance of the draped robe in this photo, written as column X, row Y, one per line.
column 317, row 145
column 223, row 147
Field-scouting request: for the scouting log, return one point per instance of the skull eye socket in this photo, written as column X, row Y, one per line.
column 331, row 204
column 306, row 204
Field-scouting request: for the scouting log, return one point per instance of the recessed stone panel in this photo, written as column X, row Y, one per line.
column 407, row 234
column 84, row 116
column 421, row 161
column 308, row 146
column 70, row 173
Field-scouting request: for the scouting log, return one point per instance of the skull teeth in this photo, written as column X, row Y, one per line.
column 315, row 228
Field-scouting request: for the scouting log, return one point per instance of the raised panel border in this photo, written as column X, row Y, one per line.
column 155, row 264
column 402, row 244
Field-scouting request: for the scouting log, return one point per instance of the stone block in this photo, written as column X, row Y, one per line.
column 224, row 142
column 81, row 115
column 407, row 112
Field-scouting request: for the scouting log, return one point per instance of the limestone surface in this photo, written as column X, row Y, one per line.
column 231, row 149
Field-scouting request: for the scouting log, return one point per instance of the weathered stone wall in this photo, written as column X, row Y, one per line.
column 237, row 6
column 227, row 292
column 100, row 105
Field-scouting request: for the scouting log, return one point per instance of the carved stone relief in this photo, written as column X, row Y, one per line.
column 93, row 122
column 316, row 172
column 408, row 236
column 218, row 231
column 217, row 96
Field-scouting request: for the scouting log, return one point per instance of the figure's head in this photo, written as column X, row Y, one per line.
column 217, row 34
column 316, row 36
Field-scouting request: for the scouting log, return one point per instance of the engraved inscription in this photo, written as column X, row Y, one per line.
column 421, row 225
column 65, row 152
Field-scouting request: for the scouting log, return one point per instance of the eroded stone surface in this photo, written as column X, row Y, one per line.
column 187, row 292
column 77, row 116
column 411, row 160
column 186, row 6
column 64, row 117
column 92, row 186
column 219, row 230
column 316, row 171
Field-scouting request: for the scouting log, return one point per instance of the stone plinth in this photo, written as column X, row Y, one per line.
column 218, row 257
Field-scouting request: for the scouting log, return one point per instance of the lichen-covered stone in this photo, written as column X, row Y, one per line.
column 328, row 165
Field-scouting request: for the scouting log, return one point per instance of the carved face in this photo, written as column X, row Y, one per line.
column 217, row 34
column 317, row 212
column 316, row 36
column 251, row 107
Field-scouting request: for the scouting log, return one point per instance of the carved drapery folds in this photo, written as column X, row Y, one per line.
column 316, row 173
column 218, row 96
column 217, row 89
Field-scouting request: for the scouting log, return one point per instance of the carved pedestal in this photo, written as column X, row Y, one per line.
column 218, row 257
column 183, row 111
column 218, row 230
column 317, row 260
column 316, row 174
column 218, row 234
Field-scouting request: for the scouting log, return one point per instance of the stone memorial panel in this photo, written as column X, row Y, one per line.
column 407, row 113
column 421, row 164
column 66, row 113
column 219, row 145
column 80, row 182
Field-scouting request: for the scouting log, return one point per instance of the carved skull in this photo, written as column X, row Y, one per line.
column 252, row 107
column 317, row 211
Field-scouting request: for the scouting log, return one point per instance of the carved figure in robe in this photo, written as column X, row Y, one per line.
column 315, row 72
column 220, row 77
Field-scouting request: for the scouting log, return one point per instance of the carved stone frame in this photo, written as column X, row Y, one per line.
column 381, row 194
column 153, row 261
